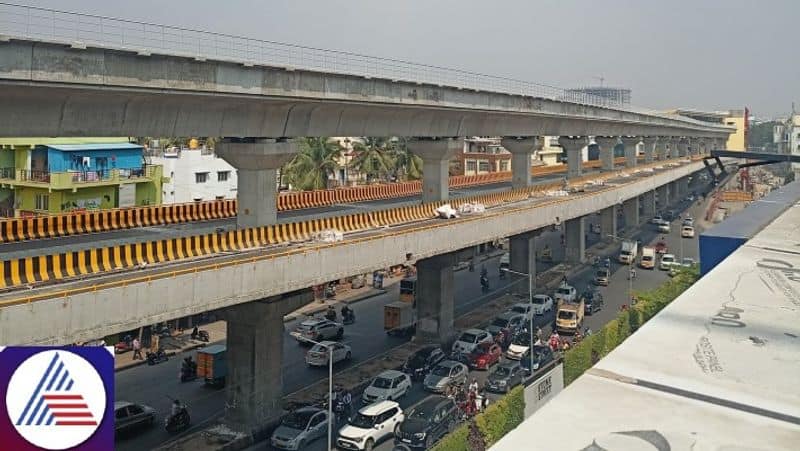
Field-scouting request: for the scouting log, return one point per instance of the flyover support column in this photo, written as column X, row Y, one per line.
column 435, row 292
column 630, row 144
column 630, row 209
column 257, row 161
column 436, row 154
column 522, row 149
column 662, row 193
column 608, row 223
column 254, row 384
column 523, row 258
column 649, row 143
column 683, row 147
column 698, row 146
column 673, row 147
column 661, row 148
column 575, row 240
column 607, row 145
column 649, row 205
column 573, row 146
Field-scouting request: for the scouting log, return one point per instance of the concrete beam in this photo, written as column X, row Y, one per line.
column 607, row 145
column 435, row 298
column 522, row 149
column 573, row 147
column 649, row 145
column 630, row 144
column 522, row 254
column 608, row 223
column 575, row 240
column 436, row 155
column 256, row 161
column 630, row 208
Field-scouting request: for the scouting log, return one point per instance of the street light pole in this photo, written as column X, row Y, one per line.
column 533, row 314
column 330, row 390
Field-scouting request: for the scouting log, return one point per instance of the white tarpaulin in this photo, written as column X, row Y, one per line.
column 446, row 211
column 328, row 236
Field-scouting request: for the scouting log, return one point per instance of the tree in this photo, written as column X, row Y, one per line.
column 314, row 164
column 760, row 136
column 406, row 164
column 373, row 158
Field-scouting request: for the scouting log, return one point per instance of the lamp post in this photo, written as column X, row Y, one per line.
column 330, row 389
column 631, row 270
column 530, row 302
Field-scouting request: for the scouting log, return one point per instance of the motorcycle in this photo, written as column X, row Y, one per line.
column 330, row 315
column 188, row 372
column 484, row 284
column 157, row 357
column 178, row 422
column 349, row 318
column 201, row 335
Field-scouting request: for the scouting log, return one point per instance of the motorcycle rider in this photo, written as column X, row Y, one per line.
column 176, row 409
column 347, row 312
column 188, row 367
column 347, row 402
column 330, row 313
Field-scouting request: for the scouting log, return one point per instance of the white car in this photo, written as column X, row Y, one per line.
column 566, row 292
column 470, row 338
column 663, row 227
column 526, row 310
column 687, row 231
column 318, row 354
column 299, row 428
column 688, row 222
column 667, row 260
column 317, row 329
column 542, row 303
column 657, row 219
column 389, row 385
column 370, row 425
column 519, row 346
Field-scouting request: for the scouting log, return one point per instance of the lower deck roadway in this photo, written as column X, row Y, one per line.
column 150, row 385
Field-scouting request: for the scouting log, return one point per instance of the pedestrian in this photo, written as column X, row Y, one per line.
column 137, row 349
column 564, row 280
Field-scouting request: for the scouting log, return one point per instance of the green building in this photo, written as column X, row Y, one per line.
column 55, row 175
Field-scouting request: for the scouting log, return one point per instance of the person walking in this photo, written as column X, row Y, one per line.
column 137, row 349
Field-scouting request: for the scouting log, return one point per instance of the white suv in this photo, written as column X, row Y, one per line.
column 370, row 425
column 469, row 340
column 318, row 330
column 390, row 384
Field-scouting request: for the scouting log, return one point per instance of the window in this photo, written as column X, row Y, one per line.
column 503, row 165
column 222, row 176
column 483, row 166
column 42, row 202
column 200, row 177
column 472, row 165
column 135, row 410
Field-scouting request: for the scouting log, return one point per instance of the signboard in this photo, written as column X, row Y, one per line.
column 127, row 195
column 543, row 389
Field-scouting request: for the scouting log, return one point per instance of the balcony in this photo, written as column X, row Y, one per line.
column 78, row 179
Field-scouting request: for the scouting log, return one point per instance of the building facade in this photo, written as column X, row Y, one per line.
column 734, row 118
column 56, row 175
column 194, row 175
column 786, row 136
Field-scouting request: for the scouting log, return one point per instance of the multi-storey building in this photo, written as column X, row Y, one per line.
column 194, row 175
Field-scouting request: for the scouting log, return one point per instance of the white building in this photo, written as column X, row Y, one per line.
column 787, row 138
column 195, row 175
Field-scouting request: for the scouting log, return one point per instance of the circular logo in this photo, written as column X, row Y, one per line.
column 56, row 400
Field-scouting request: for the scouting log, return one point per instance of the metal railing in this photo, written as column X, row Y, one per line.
column 35, row 175
column 8, row 173
column 34, row 23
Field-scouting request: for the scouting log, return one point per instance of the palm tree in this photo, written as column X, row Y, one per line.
column 311, row 168
column 406, row 164
column 373, row 158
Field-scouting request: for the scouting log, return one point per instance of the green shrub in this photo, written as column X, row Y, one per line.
column 612, row 336
column 502, row 416
column 598, row 344
column 623, row 325
column 577, row 360
column 454, row 441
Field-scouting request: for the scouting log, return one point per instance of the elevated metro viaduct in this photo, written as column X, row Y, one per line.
column 74, row 89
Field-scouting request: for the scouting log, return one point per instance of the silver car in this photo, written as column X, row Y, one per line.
column 300, row 428
column 129, row 416
column 447, row 373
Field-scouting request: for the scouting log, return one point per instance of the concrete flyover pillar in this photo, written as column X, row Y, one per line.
column 630, row 143
column 683, row 147
column 607, row 145
column 573, row 146
column 608, row 223
column 698, row 146
column 575, row 240
column 649, row 144
column 661, row 148
column 630, row 210
column 649, row 204
column 522, row 255
column 254, row 384
column 436, row 154
column 435, row 298
column 522, row 149
column 673, row 147
column 662, row 195
column 257, row 161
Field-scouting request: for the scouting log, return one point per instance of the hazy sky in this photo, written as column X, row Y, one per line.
column 706, row 54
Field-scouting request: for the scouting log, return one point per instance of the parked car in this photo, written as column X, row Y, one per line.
column 519, row 345
column 505, row 377
column 319, row 353
column 542, row 355
column 318, row 329
column 527, row 310
column 542, row 303
column 470, row 338
column 388, row 385
column 688, row 262
column 510, row 321
column 423, row 361
column 667, row 260
column 601, row 277
column 661, row 247
column 371, row 425
column 129, row 416
column 484, row 356
column 427, row 423
column 444, row 375
column 664, row 227
column 688, row 221
column 592, row 301
column 687, row 231
column 299, row 428
column 566, row 292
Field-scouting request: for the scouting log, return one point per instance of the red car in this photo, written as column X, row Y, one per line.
column 661, row 247
column 484, row 356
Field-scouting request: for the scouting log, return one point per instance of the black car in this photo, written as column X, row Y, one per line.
column 505, row 377
column 428, row 422
column 423, row 361
column 592, row 301
column 542, row 355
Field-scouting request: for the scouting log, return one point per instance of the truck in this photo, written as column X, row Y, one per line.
column 569, row 317
column 648, row 260
column 399, row 318
column 211, row 365
column 628, row 252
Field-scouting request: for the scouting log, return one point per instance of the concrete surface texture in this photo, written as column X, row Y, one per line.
column 50, row 89
column 102, row 312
